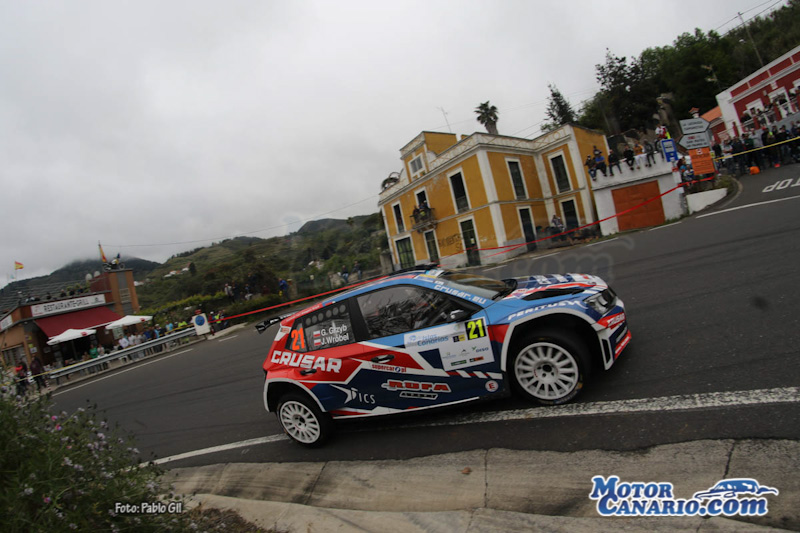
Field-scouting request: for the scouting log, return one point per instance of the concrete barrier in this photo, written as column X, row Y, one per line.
column 701, row 200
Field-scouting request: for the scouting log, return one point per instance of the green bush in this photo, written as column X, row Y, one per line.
column 61, row 472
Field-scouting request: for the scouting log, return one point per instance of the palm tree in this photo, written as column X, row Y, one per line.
column 487, row 115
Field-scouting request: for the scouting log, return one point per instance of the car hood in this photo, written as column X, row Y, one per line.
column 556, row 285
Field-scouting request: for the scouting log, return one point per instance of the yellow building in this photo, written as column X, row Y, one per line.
column 484, row 192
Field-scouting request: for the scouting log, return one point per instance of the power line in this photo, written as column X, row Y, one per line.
column 744, row 22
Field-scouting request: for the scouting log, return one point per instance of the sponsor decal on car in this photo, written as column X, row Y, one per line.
column 355, row 394
column 610, row 322
column 404, row 385
column 621, row 498
column 460, row 294
column 562, row 303
column 622, row 344
column 306, row 361
column 387, row 368
column 425, row 340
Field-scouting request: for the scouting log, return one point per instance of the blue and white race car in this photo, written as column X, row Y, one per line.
column 429, row 338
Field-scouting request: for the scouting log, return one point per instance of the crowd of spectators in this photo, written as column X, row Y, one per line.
column 754, row 151
column 636, row 155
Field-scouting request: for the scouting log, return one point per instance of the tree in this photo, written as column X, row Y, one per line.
column 559, row 110
column 487, row 115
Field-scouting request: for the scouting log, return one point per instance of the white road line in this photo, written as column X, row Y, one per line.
column 494, row 268
column 665, row 226
column 602, row 242
column 228, row 338
column 543, row 256
column 221, row 448
column 122, row 372
column 749, row 205
column 641, row 405
column 667, row 403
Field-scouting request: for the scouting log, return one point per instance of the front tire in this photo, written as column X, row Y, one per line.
column 549, row 367
column 303, row 421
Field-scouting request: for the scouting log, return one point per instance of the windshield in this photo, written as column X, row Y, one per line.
column 478, row 285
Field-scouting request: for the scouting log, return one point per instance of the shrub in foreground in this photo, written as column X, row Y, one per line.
column 62, row 472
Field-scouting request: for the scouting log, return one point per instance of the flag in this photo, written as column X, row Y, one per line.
column 102, row 255
column 18, row 265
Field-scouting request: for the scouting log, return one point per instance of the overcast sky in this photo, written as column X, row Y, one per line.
column 145, row 124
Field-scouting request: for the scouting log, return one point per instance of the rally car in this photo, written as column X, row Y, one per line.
column 430, row 338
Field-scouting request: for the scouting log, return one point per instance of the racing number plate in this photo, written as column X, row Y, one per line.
column 460, row 345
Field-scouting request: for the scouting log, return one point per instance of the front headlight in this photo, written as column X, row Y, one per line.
column 603, row 301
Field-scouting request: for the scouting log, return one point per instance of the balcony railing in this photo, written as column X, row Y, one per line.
column 424, row 219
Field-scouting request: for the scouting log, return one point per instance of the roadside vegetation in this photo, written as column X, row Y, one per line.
column 72, row 472
column 689, row 73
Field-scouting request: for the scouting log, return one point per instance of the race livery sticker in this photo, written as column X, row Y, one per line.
column 729, row 497
column 416, row 389
column 460, row 345
column 354, row 394
column 330, row 333
column 306, row 361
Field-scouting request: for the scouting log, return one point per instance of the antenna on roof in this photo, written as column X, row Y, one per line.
column 445, row 118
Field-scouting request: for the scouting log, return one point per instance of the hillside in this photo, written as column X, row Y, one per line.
column 306, row 257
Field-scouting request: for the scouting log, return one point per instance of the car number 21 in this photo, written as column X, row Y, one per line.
column 476, row 328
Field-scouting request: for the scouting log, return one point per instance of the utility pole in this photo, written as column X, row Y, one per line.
column 747, row 29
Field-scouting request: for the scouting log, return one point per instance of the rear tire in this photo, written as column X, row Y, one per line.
column 549, row 366
column 303, row 421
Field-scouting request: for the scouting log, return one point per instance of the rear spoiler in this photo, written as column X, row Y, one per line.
column 262, row 326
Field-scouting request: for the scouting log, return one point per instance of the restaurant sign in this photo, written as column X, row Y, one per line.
column 72, row 304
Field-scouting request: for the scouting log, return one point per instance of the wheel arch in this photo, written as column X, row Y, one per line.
column 275, row 389
column 567, row 320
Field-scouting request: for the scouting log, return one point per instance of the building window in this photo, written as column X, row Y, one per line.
column 516, row 179
column 405, row 253
column 570, row 214
column 459, row 192
column 416, row 165
column 430, row 242
column 398, row 217
column 560, row 172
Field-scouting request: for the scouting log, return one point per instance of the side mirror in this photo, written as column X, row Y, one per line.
column 458, row 315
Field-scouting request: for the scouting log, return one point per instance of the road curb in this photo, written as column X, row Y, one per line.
column 287, row 517
column 522, row 482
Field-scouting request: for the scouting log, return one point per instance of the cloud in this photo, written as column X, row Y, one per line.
column 145, row 123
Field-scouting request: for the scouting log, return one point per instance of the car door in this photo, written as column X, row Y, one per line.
column 419, row 356
column 322, row 348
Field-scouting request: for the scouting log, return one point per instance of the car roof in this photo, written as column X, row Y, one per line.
column 395, row 278
column 402, row 276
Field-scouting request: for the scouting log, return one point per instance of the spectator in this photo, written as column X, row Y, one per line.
column 38, row 374
column 357, row 270
column 21, row 374
column 650, row 152
column 599, row 161
column 628, row 155
column 591, row 166
column 613, row 161
column 639, row 151
column 284, row 289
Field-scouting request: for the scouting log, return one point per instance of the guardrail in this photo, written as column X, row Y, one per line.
column 119, row 354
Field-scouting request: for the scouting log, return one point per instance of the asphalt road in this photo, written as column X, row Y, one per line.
column 712, row 304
